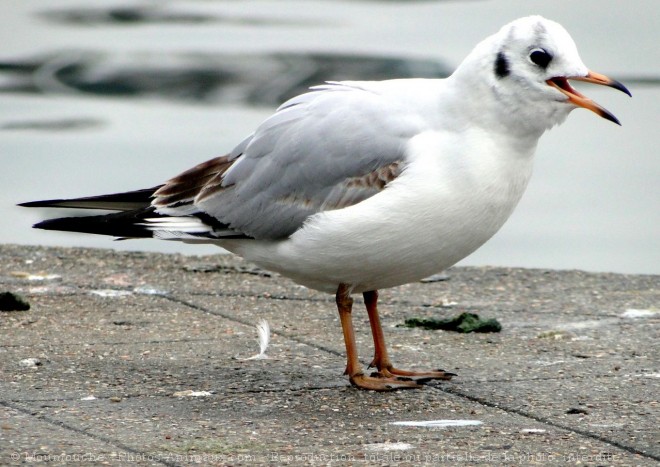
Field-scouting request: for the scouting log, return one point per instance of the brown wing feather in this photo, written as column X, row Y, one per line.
column 351, row 191
column 376, row 179
column 205, row 180
column 186, row 186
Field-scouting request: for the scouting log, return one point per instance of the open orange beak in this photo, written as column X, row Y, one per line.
column 580, row 100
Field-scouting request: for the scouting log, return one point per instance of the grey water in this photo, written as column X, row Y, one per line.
column 98, row 97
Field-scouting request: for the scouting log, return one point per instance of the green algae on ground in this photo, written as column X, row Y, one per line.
column 10, row 301
column 465, row 322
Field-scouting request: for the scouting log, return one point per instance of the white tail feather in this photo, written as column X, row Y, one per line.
column 187, row 229
column 177, row 224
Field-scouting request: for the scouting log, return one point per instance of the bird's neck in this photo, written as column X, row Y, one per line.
column 473, row 87
column 480, row 110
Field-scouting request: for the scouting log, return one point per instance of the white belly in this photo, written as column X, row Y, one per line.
column 435, row 214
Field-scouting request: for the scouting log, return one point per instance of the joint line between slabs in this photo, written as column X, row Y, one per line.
column 97, row 437
column 546, row 421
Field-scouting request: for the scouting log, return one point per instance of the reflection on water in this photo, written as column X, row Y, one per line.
column 60, row 124
column 143, row 14
column 216, row 78
column 122, row 94
column 255, row 79
column 153, row 14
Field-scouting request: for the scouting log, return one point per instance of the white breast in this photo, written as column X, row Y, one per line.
column 437, row 212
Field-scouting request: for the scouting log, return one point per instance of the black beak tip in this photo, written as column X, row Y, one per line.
column 619, row 85
column 609, row 116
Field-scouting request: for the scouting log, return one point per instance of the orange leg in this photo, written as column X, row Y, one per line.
column 381, row 360
column 353, row 367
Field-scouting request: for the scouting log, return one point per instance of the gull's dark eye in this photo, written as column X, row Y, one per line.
column 540, row 57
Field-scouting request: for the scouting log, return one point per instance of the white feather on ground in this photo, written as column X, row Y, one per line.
column 263, row 330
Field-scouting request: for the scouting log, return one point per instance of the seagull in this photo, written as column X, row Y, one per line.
column 357, row 186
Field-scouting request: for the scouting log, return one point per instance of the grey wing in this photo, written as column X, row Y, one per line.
column 326, row 149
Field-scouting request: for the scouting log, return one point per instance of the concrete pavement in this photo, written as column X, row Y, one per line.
column 141, row 358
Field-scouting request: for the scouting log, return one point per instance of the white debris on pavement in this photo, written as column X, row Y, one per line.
column 35, row 277
column 438, row 423
column 30, row 362
column 111, row 293
column 150, row 291
column 634, row 314
column 191, row 393
column 387, row 446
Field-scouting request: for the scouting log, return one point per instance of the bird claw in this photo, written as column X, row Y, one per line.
column 420, row 377
column 382, row 383
column 391, row 379
column 378, row 374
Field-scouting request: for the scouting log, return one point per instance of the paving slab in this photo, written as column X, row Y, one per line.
column 140, row 358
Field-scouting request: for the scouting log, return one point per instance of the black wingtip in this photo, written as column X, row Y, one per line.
column 60, row 223
column 126, row 201
column 37, row 204
column 121, row 224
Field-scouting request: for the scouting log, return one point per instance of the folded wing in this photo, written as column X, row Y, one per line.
column 327, row 149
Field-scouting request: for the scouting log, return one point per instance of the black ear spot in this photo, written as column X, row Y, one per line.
column 501, row 65
column 540, row 57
